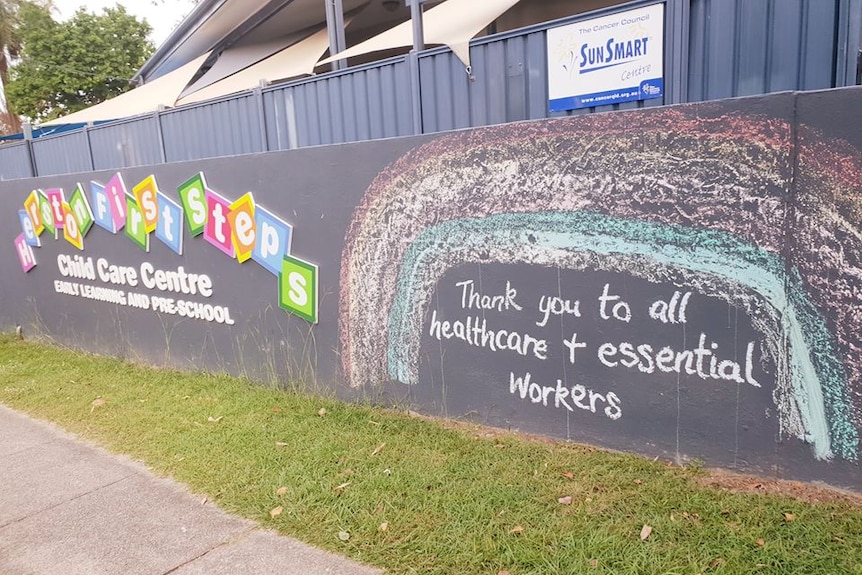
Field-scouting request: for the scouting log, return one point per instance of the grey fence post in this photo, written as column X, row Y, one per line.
column 847, row 68
column 261, row 115
column 28, row 138
column 677, row 23
column 89, row 146
column 413, row 63
column 415, row 91
column 335, row 27
column 163, row 154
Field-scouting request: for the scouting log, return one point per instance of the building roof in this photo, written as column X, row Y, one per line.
column 215, row 25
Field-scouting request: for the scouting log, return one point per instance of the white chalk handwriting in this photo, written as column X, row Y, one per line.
column 563, row 397
column 705, row 360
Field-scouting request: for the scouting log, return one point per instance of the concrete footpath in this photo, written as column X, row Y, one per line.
column 68, row 508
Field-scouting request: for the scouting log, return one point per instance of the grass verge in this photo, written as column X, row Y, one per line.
column 414, row 496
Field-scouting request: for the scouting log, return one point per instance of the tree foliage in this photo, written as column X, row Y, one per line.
column 10, row 42
column 68, row 66
column 10, row 49
column 10, row 39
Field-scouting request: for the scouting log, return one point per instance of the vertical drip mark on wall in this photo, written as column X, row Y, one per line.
column 563, row 338
column 481, row 289
column 787, row 243
column 738, row 385
column 443, row 400
column 678, row 410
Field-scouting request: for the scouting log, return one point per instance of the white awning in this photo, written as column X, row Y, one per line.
column 453, row 23
column 296, row 60
column 161, row 92
column 237, row 58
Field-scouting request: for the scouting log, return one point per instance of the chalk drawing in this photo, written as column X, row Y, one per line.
column 701, row 203
column 545, row 238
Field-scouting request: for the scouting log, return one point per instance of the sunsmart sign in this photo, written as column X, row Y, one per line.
column 240, row 229
column 607, row 60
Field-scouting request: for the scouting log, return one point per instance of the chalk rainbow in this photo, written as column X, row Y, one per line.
column 704, row 201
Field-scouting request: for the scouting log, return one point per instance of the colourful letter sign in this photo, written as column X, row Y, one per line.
column 239, row 229
column 169, row 228
column 243, row 227
column 81, row 209
column 135, row 228
column 217, row 231
column 25, row 253
column 46, row 214
column 31, row 204
column 71, row 231
column 191, row 194
column 55, row 202
column 102, row 204
column 297, row 288
column 116, row 192
column 273, row 240
column 28, row 229
column 146, row 193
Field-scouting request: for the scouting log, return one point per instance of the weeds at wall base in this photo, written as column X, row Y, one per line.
column 455, row 497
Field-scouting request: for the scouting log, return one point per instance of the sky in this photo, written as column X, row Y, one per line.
column 162, row 15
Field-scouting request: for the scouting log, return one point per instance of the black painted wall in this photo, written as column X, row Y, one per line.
column 682, row 282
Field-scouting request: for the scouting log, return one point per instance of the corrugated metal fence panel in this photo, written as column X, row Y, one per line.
column 66, row 154
column 15, row 162
column 225, row 127
column 849, row 42
column 364, row 104
column 745, row 47
column 508, row 83
column 126, row 144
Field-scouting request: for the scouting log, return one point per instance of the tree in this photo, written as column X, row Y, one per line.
column 10, row 47
column 68, row 66
column 10, row 42
column 9, row 123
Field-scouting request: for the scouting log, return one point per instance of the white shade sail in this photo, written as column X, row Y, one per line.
column 295, row 60
column 161, row 92
column 453, row 23
column 237, row 58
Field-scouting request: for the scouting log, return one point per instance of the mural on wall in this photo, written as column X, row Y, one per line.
column 680, row 281
column 699, row 205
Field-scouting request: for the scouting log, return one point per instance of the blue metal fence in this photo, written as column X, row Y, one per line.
column 126, row 144
column 713, row 49
column 504, row 84
column 363, row 103
column 15, row 162
column 66, row 154
column 743, row 47
column 225, row 127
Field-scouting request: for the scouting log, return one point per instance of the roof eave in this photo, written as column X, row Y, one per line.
column 202, row 12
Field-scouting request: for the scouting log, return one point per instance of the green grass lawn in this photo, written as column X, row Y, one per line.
column 416, row 496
